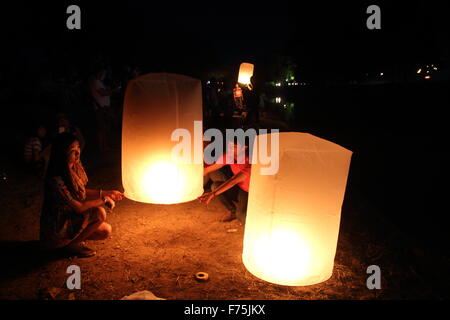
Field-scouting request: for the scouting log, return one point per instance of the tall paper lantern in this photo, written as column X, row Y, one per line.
column 155, row 105
column 245, row 73
column 293, row 216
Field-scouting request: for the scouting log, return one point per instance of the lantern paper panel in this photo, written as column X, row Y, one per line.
column 293, row 216
column 245, row 73
column 155, row 105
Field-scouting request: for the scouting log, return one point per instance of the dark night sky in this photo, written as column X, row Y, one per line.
column 324, row 38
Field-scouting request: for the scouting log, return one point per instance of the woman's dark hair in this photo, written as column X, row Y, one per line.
column 58, row 163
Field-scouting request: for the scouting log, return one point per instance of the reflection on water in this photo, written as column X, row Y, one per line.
column 286, row 109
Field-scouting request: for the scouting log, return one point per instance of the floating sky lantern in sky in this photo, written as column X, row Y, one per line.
column 155, row 105
column 293, row 216
column 245, row 73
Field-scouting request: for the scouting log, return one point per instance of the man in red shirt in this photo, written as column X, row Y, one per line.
column 221, row 184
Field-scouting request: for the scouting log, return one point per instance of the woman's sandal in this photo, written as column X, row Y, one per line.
column 80, row 250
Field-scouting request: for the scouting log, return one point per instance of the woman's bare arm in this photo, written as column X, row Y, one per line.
column 92, row 194
column 85, row 205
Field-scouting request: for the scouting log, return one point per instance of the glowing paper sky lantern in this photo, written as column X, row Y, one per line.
column 245, row 73
column 155, row 105
column 293, row 217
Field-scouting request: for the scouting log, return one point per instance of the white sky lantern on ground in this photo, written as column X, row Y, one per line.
column 293, row 217
column 245, row 73
column 155, row 105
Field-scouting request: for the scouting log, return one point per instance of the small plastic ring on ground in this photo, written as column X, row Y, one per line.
column 201, row 276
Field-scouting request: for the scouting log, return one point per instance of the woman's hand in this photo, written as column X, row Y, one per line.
column 109, row 202
column 114, row 195
column 206, row 197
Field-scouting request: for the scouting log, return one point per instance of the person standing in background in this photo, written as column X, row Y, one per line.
column 101, row 100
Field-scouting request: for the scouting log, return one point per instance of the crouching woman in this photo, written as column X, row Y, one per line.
column 71, row 213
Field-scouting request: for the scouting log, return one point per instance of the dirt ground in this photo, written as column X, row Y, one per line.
column 160, row 247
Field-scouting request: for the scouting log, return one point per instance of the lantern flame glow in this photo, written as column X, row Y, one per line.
column 274, row 258
column 163, row 182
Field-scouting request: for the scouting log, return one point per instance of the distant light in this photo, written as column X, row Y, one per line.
column 427, row 77
column 289, row 84
column 278, row 100
column 419, row 71
column 434, row 68
column 208, row 82
column 381, row 73
column 278, row 84
column 428, row 71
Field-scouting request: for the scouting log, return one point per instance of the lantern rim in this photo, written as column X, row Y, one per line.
column 165, row 203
